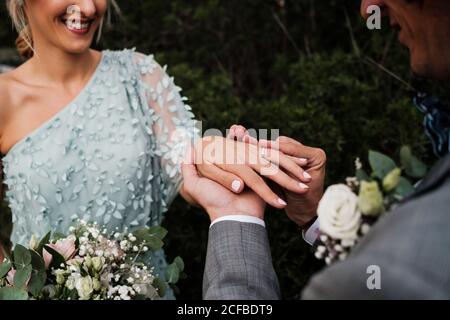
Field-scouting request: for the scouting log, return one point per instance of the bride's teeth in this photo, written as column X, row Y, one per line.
column 76, row 25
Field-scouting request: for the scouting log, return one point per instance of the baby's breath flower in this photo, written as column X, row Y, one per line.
column 358, row 164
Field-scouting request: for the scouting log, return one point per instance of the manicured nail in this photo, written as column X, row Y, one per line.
column 236, row 185
column 303, row 186
column 306, row 175
column 282, row 202
column 304, row 160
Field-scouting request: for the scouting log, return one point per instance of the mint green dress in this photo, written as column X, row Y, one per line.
column 112, row 156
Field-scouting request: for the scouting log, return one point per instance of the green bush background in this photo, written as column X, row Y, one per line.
column 303, row 68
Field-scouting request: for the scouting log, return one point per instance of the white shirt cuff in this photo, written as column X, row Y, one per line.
column 240, row 218
column 311, row 235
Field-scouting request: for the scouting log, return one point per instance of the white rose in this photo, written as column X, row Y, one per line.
column 70, row 282
column 84, row 287
column 339, row 216
column 98, row 263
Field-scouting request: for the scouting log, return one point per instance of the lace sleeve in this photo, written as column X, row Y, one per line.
column 172, row 121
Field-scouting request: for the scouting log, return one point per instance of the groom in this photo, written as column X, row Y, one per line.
column 409, row 246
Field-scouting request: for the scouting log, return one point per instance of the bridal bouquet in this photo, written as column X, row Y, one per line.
column 346, row 212
column 88, row 264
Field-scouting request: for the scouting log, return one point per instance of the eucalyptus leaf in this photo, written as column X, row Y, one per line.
column 37, row 261
column 180, row 263
column 405, row 156
column 37, row 282
column 418, row 169
column 4, row 269
column 22, row 257
column 150, row 237
column 361, row 175
column 158, row 231
column 172, row 273
column 154, row 243
column 380, row 164
column 38, row 275
column 161, row 286
column 22, row 276
column 404, row 188
column 412, row 165
column 11, row 293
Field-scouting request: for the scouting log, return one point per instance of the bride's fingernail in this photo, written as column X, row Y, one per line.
column 303, row 186
column 306, row 175
column 282, row 202
column 303, row 160
column 236, row 185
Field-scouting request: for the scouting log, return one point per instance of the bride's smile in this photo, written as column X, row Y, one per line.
column 67, row 25
column 77, row 25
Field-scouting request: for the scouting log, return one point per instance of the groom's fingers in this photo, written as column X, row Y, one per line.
column 287, row 163
column 222, row 177
column 294, row 148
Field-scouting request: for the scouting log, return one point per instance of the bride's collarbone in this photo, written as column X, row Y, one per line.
column 23, row 109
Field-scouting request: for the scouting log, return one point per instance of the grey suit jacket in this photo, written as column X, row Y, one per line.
column 410, row 247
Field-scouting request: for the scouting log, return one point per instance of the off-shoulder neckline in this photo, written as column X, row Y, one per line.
column 61, row 112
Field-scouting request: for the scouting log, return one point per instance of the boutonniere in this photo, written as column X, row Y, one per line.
column 347, row 212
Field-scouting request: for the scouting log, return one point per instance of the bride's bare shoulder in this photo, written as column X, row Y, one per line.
column 6, row 85
column 9, row 84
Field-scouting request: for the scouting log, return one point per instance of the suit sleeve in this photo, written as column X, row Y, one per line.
column 239, row 263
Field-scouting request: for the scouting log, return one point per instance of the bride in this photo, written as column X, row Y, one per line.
column 98, row 136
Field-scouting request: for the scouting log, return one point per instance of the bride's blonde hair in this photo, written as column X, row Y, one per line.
column 24, row 41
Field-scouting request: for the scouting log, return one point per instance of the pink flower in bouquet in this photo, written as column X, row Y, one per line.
column 10, row 277
column 65, row 247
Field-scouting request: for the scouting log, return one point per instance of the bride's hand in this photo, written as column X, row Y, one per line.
column 235, row 164
column 217, row 200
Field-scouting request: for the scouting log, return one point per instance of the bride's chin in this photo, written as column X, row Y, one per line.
column 80, row 49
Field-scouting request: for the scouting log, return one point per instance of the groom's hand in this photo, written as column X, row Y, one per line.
column 302, row 208
column 217, row 200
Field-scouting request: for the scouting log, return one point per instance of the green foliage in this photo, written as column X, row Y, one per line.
column 381, row 164
column 412, row 165
column 38, row 276
column 22, row 257
column 151, row 237
column 12, row 293
column 302, row 68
